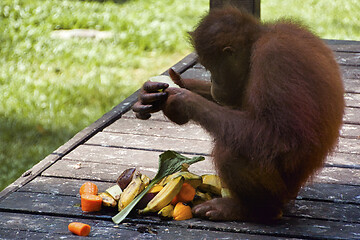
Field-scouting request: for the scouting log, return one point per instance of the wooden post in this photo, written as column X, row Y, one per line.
column 252, row 6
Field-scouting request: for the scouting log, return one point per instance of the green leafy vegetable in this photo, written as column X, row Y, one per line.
column 169, row 163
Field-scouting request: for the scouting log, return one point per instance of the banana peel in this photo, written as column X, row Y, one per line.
column 190, row 178
column 166, row 213
column 164, row 197
column 225, row 193
column 114, row 191
column 207, row 186
column 201, row 197
column 211, row 183
column 107, row 200
column 136, row 186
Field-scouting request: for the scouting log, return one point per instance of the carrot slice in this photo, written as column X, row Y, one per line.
column 175, row 200
column 79, row 228
column 89, row 187
column 186, row 194
column 90, row 202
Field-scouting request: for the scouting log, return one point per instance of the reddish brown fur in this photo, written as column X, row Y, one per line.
column 280, row 109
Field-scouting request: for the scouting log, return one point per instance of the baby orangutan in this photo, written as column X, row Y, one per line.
column 274, row 108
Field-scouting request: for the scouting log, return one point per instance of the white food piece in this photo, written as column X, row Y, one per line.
column 164, row 79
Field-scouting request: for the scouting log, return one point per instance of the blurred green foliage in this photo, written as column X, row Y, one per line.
column 334, row 19
column 52, row 88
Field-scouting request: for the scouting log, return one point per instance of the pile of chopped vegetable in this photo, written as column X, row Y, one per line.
column 170, row 194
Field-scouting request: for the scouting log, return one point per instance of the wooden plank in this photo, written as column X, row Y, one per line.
column 352, row 85
column 335, row 193
column 141, row 159
column 338, row 176
column 152, row 128
column 61, row 186
column 189, row 146
column 352, row 100
column 200, row 147
column 110, row 172
column 352, row 115
column 302, row 228
column 348, row 58
column 163, row 133
column 116, row 155
column 188, row 131
column 324, row 210
column 26, row 226
column 351, row 76
column 69, row 206
column 92, row 170
column 331, row 193
column 350, row 48
column 347, row 145
column 348, row 65
column 346, row 160
column 350, row 131
column 191, row 131
column 158, row 129
column 148, row 159
column 350, row 72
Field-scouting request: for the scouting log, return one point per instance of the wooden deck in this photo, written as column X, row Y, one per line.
column 42, row 202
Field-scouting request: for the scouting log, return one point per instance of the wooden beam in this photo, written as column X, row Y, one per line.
column 252, row 6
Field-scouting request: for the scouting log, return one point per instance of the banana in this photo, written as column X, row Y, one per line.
column 164, row 197
column 225, row 193
column 191, row 178
column 166, row 212
column 211, row 183
column 145, row 179
column 114, row 191
column 132, row 190
column 108, row 200
column 201, row 197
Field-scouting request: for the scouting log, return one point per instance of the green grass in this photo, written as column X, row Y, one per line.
column 51, row 88
column 335, row 19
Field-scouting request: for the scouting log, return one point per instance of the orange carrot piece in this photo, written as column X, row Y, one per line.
column 79, row 228
column 175, row 200
column 186, row 194
column 90, row 202
column 89, row 187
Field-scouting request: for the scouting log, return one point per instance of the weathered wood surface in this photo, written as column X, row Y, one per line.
column 42, row 202
column 323, row 217
column 25, row 226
